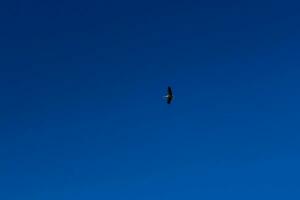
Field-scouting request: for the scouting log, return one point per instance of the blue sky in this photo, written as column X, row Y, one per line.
column 81, row 108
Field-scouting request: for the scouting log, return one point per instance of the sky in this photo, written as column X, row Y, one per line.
column 82, row 114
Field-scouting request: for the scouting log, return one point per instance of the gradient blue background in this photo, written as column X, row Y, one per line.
column 81, row 109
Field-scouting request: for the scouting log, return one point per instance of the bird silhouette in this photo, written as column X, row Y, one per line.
column 169, row 95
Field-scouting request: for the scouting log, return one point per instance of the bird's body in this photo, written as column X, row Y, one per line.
column 169, row 95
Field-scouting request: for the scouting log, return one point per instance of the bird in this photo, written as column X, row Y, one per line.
column 169, row 95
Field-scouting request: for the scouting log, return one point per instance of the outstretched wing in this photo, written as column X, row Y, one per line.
column 169, row 100
column 170, row 93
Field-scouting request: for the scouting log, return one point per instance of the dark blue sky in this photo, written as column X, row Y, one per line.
column 81, row 108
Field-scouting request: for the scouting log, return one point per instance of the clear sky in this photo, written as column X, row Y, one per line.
column 82, row 115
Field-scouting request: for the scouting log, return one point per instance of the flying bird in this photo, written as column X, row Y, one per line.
column 169, row 95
